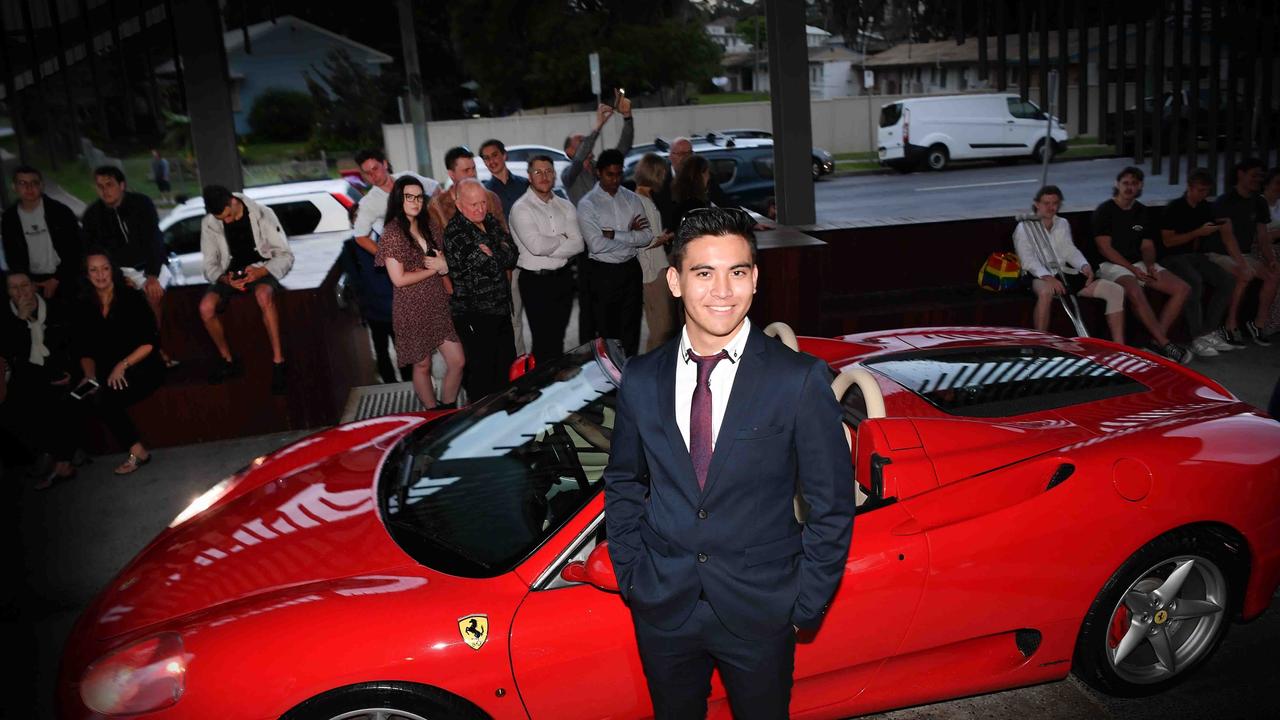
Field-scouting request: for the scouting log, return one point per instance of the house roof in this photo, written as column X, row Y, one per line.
column 944, row 52
column 233, row 40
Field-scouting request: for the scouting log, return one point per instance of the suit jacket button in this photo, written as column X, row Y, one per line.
column 702, row 514
column 702, row 557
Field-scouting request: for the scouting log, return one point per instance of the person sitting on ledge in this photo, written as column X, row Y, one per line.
column 244, row 249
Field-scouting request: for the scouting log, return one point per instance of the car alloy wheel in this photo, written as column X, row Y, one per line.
column 1167, row 619
column 1160, row 615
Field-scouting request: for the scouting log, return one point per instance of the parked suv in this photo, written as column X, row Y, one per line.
column 744, row 170
column 823, row 162
column 312, row 214
column 933, row 131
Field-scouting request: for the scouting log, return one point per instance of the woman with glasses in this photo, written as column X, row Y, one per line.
column 419, row 303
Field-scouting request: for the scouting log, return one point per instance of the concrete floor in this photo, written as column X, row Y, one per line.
column 68, row 542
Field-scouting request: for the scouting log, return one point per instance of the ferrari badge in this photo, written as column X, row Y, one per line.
column 475, row 630
column 1161, row 616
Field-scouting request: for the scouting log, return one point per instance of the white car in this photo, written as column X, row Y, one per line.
column 313, row 214
column 518, row 161
column 933, row 131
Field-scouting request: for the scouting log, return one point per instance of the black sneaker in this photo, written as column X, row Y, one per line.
column 1174, row 352
column 1256, row 335
column 224, row 370
column 1232, row 337
column 279, row 384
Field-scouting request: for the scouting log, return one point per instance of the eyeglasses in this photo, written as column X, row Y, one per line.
column 410, row 197
column 544, row 172
column 27, row 183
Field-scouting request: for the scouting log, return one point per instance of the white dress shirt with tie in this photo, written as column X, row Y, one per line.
column 721, row 381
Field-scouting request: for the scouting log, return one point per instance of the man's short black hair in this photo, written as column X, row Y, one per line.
column 370, row 154
column 110, row 171
column 1200, row 176
column 1247, row 164
column 609, row 157
column 716, row 222
column 451, row 157
column 27, row 170
column 495, row 142
column 216, row 198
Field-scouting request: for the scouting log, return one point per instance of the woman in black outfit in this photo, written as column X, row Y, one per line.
column 116, row 337
column 689, row 189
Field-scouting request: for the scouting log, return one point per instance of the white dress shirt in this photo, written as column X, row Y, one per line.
column 598, row 210
column 1063, row 248
column 546, row 231
column 721, row 381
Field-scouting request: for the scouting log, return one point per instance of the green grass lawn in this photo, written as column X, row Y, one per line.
column 729, row 97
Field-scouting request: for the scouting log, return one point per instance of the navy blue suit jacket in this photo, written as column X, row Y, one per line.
column 737, row 541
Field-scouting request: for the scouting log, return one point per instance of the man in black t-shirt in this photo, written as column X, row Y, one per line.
column 1249, row 215
column 1188, row 224
column 1126, row 237
column 244, row 249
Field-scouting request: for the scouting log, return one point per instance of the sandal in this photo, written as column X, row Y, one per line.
column 53, row 478
column 131, row 464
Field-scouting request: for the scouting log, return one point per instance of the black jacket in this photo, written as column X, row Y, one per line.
column 63, row 229
column 15, row 345
column 142, row 247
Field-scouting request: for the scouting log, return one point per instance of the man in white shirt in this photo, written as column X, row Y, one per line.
column 41, row 237
column 545, row 228
column 614, row 228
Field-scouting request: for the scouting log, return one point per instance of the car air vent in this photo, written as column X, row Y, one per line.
column 374, row 400
column 1060, row 476
column 1028, row 641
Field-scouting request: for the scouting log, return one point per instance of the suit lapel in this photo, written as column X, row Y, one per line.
column 741, row 399
column 667, row 413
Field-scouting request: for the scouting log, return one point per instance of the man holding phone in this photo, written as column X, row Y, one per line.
column 1186, row 224
column 244, row 249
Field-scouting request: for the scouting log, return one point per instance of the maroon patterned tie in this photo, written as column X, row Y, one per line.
column 700, row 415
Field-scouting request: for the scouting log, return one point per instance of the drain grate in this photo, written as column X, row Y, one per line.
column 374, row 400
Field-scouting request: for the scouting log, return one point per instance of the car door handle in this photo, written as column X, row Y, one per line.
column 1011, row 121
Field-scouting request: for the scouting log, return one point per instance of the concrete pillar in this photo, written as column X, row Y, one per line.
column 789, row 98
column 208, row 92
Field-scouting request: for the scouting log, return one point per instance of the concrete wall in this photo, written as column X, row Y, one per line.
column 839, row 125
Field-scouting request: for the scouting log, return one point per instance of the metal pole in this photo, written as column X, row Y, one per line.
column 1122, row 75
column 1157, row 89
column 1042, row 53
column 1024, row 53
column 1268, row 56
column 413, row 73
column 1215, row 83
column 1139, row 84
column 1104, row 73
column 1002, row 52
column 982, row 41
column 1176, row 126
column 1052, row 87
column 1082, row 73
column 1063, row 78
column 1193, row 92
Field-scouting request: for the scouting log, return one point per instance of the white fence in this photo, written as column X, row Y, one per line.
column 839, row 125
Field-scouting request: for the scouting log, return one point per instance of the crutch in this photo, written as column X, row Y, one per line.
column 1040, row 240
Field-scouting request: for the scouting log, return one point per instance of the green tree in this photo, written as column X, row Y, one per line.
column 281, row 115
column 747, row 28
column 350, row 102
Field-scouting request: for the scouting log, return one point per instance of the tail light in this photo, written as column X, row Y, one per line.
column 906, row 126
column 146, row 676
column 343, row 200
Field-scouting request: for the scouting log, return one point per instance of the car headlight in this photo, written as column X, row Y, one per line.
column 146, row 676
column 207, row 499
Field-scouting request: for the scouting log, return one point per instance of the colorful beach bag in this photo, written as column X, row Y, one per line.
column 1000, row 272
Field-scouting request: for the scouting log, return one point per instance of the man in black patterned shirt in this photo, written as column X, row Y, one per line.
column 480, row 252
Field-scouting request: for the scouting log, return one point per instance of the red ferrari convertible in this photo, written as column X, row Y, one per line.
column 1029, row 506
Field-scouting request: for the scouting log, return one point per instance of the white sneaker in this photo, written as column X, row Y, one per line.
column 1204, row 347
column 1218, row 343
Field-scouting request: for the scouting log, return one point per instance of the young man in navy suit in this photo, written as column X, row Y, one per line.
column 716, row 431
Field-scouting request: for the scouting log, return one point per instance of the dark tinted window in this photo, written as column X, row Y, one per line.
column 520, row 155
column 1024, row 110
column 184, row 236
column 890, row 114
column 1004, row 381
column 297, row 218
column 763, row 166
column 723, row 170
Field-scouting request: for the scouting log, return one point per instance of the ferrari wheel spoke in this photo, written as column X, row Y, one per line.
column 1137, row 602
column 1132, row 639
column 1164, row 650
column 1193, row 609
column 1173, row 585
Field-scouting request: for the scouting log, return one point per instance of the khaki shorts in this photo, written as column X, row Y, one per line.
column 1226, row 262
column 1113, row 272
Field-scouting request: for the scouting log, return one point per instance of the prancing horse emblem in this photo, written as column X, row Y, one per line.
column 474, row 629
column 1161, row 616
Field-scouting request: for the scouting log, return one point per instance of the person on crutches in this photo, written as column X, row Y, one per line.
column 1059, row 270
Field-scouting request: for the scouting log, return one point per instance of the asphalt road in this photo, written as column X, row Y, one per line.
column 975, row 191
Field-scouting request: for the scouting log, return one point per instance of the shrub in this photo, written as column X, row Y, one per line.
column 280, row 115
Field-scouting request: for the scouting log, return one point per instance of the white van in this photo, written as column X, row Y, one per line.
column 933, row 131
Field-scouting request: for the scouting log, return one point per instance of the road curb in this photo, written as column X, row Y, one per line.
column 892, row 171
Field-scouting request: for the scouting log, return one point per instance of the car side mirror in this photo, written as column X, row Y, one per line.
column 596, row 570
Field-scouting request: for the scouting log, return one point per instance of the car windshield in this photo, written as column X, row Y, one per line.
column 478, row 492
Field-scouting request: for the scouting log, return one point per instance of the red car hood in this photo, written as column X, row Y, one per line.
column 304, row 515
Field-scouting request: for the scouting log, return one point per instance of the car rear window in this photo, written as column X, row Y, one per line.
column 1004, row 381
column 890, row 114
column 297, row 218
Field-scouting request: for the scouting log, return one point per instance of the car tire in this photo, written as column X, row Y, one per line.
column 1038, row 153
column 1129, row 621
column 394, row 700
column 817, row 171
column 937, row 157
